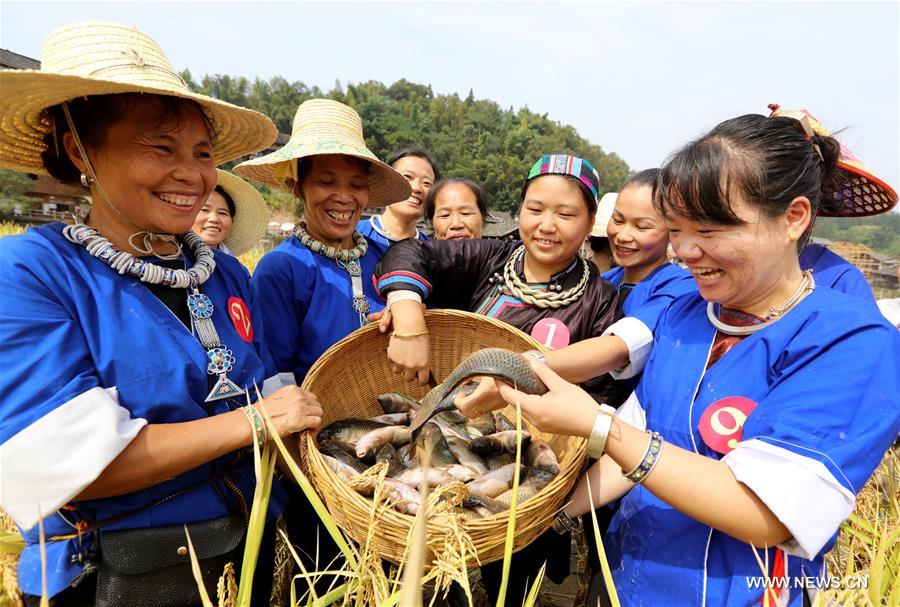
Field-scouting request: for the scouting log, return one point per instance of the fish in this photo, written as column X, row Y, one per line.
column 432, row 440
column 459, row 447
column 403, row 498
column 503, row 364
column 389, row 455
column 344, row 471
column 485, row 506
column 394, row 402
column 348, row 430
column 343, row 453
column 407, row 456
column 531, row 482
column 503, row 423
column 461, row 472
column 499, row 442
column 541, row 455
column 453, row 423
column 369, row 444
column 483, row 424
column 434, row 476
column 499, row 460
column 395, row 419
column 493, row 483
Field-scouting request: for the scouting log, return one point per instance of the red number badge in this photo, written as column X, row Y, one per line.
column 240, row 316
column 551, row 332
column 722, row 424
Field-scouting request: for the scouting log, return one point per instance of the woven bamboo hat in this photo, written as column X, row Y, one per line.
column 99, row 58
column 862, row 192
column 604, row 213
column 324, row 126
column 251, row 215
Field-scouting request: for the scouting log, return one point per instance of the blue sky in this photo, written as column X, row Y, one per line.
column 637, row 78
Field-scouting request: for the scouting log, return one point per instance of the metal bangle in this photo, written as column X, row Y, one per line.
column 563, row 523
column 409, row 335
column 648, row 461
column 600, row 431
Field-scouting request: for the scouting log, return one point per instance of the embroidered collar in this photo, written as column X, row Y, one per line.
column 375, row 222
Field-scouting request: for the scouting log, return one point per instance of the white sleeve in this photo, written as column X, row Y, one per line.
column 799, row 490
column 49, row 462
column 402, row 295
column 632, row 413
column 639, row 341
column 278, row 381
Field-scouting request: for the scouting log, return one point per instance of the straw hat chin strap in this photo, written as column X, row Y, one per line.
column 147, row 236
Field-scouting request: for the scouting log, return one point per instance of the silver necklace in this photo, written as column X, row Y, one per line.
column 808, row 284
column 348, row 259
column 220, row 360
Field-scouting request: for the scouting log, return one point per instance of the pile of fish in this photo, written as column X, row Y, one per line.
column 479, row 452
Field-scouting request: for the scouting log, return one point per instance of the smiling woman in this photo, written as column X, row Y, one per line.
column 128, row 343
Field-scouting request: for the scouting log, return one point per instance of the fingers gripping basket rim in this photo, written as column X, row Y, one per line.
column 349, row 375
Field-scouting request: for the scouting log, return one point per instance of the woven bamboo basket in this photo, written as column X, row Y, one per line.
column 348, row 377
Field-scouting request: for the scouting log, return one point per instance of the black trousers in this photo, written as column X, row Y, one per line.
column 524, row 565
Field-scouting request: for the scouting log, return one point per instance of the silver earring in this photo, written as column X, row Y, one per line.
column 86, row 181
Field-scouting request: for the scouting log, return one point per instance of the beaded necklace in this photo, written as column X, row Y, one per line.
column 537, row 297
column 348, row 259
column 220, row 358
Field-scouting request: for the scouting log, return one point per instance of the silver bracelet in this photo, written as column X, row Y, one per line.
column 600, row 431
column 648, row 461
column 563, row 523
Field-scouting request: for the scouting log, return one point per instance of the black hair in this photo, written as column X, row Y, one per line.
column 599, row 244
column 767, row 161
column 232, row 209
column 481, row 196
column 645, row 178
column 418, row 153
column 586, row 193
column 94, row 115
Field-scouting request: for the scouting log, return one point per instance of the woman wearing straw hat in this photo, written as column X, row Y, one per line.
column 398, row 220
column 128, row 344
column 767, row 401
column 598, row 247
column 234, row 217
column 875, row 197
column 316, row 287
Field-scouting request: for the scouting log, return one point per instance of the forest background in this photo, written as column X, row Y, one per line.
column 474, row 138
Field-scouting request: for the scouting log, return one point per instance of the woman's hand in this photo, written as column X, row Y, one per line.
column 565, row 409
column 486, row 397
column 293, row 410
column 409, row 346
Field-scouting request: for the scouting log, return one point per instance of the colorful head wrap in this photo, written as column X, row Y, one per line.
column 563, row 164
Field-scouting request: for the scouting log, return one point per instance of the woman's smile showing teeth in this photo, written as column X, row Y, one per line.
column 707, row 273
column 179, row 200
column 340, row 216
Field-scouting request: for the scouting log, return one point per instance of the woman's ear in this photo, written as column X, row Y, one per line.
column 73, row 153
column 798, row 217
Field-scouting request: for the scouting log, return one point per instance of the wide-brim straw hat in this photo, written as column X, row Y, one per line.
column 324, row 126
column 251, row 215
column 99, row 58
column 861, row 192
column 604, row 213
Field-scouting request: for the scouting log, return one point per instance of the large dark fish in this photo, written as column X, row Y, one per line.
column 395, row 419
column 390, row 455
column 493, row 444
column 348, row 430
column 394, row 402
column 432, row 440
column 531, row 481
column 369, row 444
column 343, row 453
column 540, row 455
column 503, row 364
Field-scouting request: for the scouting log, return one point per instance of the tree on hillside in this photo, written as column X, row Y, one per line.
column 470, row 137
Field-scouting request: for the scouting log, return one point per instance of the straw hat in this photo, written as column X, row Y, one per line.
column 323, row 126
column 98, row 58
column 604, row 214
column 251, row 215
column 861, row 192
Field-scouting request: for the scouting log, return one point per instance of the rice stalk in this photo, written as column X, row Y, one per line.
column 452, row 546
column 511, row 523
column 226, row 589
column 45, row 602
column 195, row 569
column 10, row 228
column 411, row 589
column 532, row 596
column 601, row 551
column 264, row 466
column 310, row 492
